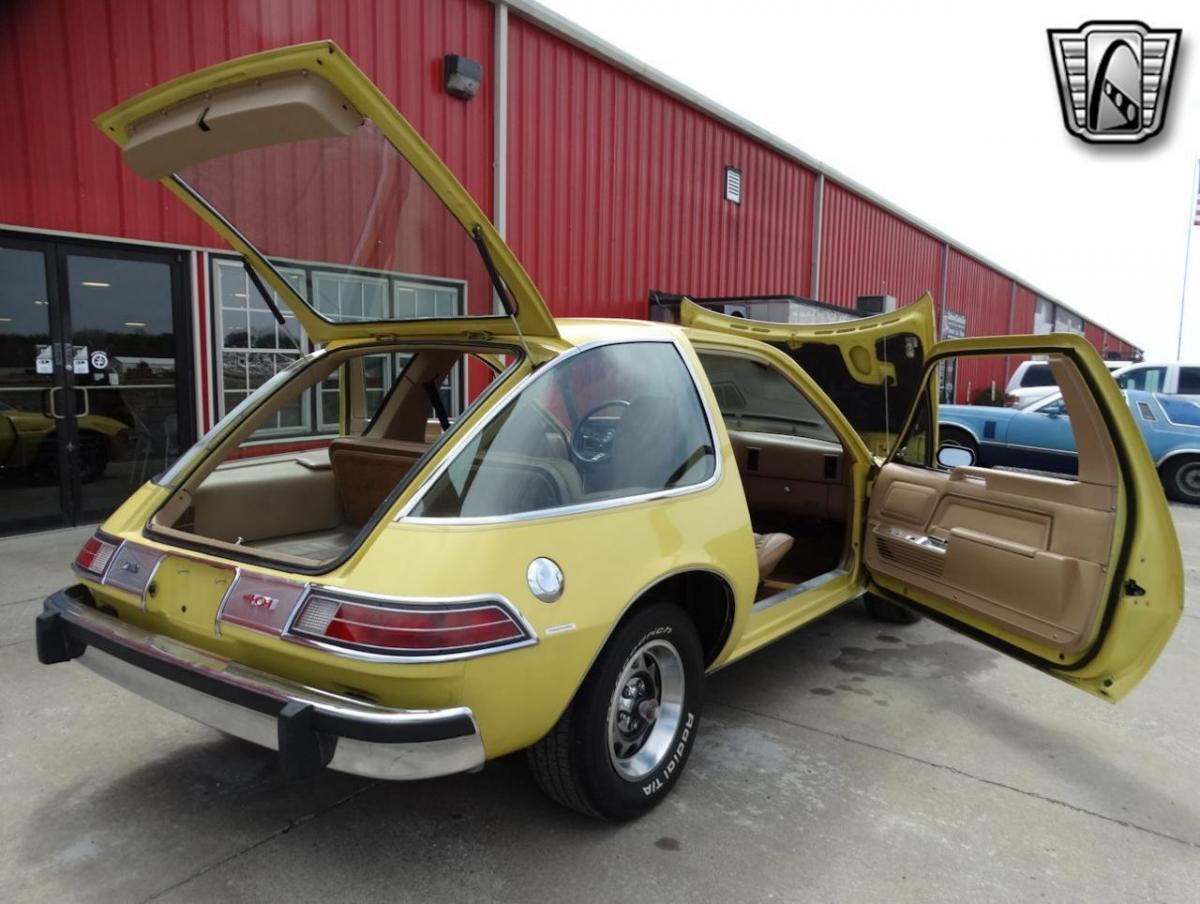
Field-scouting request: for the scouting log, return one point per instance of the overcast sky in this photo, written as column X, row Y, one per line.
column 951, row 111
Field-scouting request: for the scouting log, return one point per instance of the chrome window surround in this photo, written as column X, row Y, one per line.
column 254, row 400
column 1167, row 414
column 582, row 507
column 528, row 639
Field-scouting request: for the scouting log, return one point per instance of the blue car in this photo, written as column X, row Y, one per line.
column 1039, row 438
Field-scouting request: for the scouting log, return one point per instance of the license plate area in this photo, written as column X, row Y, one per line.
column 189, row 592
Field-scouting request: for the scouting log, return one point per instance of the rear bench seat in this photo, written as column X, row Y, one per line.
column 367, row 469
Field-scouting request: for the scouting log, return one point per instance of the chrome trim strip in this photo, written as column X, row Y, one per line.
column 1065, row 452
column 1167, row 414
column 783, row 596
column 201, row 447
column 410, row 760
column 1174, row 453
column 597, row 505
column 456, row 602
column 150, row 580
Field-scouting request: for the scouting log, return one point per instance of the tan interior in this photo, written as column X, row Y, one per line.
column 798, row 493
column 1027, row 552
column 366, row 469
column 307, row 506
column 770, row 550
column 288, row 108
column 791, row 475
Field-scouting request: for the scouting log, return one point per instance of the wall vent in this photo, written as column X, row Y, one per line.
column 733, row 184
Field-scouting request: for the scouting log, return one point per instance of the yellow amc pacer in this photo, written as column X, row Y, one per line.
column 624, row 508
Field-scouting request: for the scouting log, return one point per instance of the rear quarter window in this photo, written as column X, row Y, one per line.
column 608, row 423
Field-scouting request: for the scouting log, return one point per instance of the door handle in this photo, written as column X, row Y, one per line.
column 48, row 407
column 87, row 402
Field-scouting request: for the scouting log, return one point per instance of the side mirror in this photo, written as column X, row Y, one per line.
column 955, row 457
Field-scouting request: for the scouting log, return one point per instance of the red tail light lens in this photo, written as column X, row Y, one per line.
column 95, row 556
column 1011, row 401
column 408, row 630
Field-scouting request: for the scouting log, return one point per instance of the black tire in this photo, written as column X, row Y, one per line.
column 887, row 611
column 576, row 764
column 1181, row 479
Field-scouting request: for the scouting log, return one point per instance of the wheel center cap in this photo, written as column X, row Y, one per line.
column 648, row 710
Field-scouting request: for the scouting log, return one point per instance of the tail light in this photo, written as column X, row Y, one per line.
column 97, row 552
column 408, row 630
column 1011, row 401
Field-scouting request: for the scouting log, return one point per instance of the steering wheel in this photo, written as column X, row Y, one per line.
column 592, row 443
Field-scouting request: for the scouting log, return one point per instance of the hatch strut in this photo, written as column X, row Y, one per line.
column 506, row 299
column 262, row 290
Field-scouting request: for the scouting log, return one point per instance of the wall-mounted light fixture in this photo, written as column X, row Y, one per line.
column 733, row 184
column 461, row 76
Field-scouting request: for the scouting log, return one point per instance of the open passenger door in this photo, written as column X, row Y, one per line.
column 307, row 170
column 1079, row 577
column 872, row 368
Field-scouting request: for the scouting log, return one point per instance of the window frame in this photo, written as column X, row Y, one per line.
column 469, row 436
column 219, row 264
column 738, row 354
column 313, row 423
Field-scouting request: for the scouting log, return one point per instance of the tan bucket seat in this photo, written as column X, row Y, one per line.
column 770, row 549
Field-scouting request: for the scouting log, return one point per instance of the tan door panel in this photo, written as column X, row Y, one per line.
column 1025, row 551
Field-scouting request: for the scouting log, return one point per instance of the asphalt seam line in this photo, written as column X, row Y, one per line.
column 32, row 599
column 292, row 824
column 956, row 771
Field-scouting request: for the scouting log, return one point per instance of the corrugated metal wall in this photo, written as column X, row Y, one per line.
column 615, row 189
column 984, row 296
column 72, row 59
column 1023, row 305
column 868, row 251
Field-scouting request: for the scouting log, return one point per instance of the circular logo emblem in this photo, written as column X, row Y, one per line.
column 99, row 360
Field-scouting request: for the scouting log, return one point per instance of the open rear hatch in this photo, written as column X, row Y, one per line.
column 303, row 165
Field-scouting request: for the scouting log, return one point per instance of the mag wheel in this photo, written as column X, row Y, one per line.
column 624, row 741
column 1181, row 480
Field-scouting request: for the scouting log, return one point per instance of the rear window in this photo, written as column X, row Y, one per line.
column 1183, row 412
column 1038, row 375
column 1189, row 381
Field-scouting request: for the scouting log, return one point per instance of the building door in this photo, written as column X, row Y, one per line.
column 95, row 376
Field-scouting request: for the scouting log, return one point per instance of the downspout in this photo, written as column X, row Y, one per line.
column 814, row 284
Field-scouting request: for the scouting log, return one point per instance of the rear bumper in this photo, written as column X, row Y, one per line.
column 309, row 728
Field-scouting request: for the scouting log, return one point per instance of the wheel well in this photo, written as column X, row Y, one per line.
column 705, row 597
column 1178, row 456
column 963, row 432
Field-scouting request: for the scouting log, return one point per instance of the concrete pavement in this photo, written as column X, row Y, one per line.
column 848, row 762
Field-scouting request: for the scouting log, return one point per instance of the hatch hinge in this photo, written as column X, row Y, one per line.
column 1133, row 588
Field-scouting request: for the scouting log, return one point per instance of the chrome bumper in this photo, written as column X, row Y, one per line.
column 309, row 728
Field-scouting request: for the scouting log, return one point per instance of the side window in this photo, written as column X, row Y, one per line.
column 1189, row 381
column 1039, row 439
column 611, row 422
column 1151, row 379
column 756, row 398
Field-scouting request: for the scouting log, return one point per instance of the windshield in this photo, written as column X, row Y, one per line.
column 360, row 234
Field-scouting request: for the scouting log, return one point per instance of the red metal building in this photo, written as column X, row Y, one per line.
column 606, row 177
